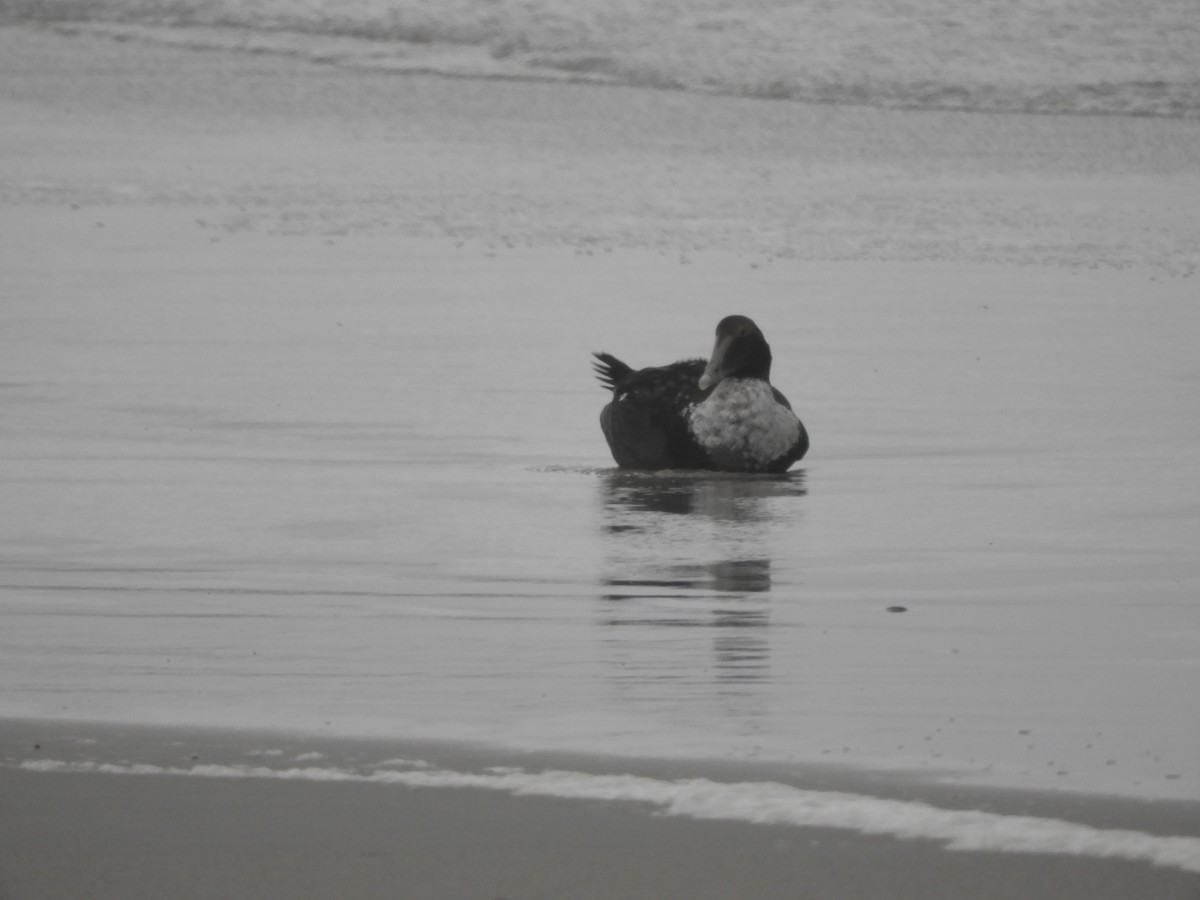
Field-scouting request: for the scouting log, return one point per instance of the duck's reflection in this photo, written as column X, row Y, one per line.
column 740, row 648
column 752, row 576
column 627, row 496
column 688, row 581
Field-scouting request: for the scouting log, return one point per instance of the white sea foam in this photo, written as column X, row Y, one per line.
column 1022, row 55
column 765, row 803
column 400, row 763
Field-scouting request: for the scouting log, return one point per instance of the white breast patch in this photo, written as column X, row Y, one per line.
column 742, row 426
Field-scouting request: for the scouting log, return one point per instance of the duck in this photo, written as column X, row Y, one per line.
column 721, row 414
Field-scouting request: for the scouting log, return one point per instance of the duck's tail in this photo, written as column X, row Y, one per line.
column 610, row 370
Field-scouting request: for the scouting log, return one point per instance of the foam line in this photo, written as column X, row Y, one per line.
column 765, row 803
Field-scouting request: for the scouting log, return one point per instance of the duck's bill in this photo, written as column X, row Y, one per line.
column 713, row 372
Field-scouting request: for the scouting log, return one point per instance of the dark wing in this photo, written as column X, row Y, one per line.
column 645, row 424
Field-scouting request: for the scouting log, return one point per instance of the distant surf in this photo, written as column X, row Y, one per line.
column 1023, row 56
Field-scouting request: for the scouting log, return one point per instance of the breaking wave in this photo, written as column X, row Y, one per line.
column 1019, row 56
column 765, row 803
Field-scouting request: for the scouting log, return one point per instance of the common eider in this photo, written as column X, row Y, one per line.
column 723, row 415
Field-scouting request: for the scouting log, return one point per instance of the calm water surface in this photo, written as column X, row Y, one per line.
column 249, row 498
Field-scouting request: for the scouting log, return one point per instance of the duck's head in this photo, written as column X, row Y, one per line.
column 741, row 351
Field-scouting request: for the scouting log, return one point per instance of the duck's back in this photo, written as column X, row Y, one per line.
column 646, row 424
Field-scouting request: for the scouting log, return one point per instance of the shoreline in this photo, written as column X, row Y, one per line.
column 258, row 834
column 78, row 743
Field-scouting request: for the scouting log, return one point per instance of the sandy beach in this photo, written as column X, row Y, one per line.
column 300, row 462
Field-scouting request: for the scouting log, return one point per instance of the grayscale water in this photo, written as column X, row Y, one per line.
column 1032, row 56
column 236, row 493
column 298, row 429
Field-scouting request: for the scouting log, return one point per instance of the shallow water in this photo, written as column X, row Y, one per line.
column 269, row 459
column 236, row 494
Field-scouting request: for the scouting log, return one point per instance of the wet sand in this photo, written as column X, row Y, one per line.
column 141, row 836
column 103, row 836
